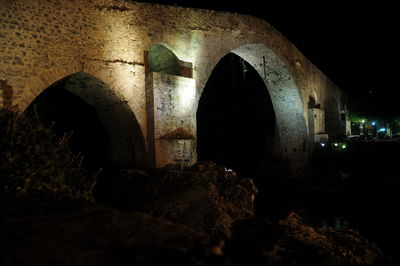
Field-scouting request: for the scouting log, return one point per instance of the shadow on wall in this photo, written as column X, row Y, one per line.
column 235, row 118
column 105, row 131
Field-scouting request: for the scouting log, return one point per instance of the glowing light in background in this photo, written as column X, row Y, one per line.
column 373, row 123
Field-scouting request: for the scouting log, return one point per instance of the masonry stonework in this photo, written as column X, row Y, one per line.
column 44, row 41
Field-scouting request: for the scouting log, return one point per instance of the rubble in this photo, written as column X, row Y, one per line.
column 170, row 216
column 349, row 246
column 292, row 242
column 199, row 216
column 207, row 197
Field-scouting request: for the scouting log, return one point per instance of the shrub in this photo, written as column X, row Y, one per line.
column 35, row 164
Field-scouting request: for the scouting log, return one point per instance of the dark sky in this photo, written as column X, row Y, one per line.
column 354, row 45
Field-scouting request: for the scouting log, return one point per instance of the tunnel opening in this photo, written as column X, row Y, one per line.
column 68, row 114
column 236, row 119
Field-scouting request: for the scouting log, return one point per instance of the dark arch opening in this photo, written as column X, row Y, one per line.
column 105, row 131
column 235, row 118
column 69, row 114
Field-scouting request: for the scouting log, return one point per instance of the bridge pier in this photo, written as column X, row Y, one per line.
column 171, row 100
column 172, row 140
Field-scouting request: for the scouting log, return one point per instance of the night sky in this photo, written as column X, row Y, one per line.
column 354, row 45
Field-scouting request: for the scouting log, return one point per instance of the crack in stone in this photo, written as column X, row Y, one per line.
column 117, row 61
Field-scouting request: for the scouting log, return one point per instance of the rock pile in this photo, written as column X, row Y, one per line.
column 207, row 198
column 200, row 216
column 292, row 242
column 170, row 217
column 347, row 246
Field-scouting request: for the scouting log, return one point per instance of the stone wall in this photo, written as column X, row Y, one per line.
column 43, row 41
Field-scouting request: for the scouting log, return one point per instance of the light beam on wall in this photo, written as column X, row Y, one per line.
column 186, row 94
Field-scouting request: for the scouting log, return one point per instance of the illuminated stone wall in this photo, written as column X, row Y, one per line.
column 43, row 41
column 175, row 123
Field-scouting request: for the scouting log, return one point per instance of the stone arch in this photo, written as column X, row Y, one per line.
column 291, row 134
column 127, row 146
column 45, row 79
column 235, row 118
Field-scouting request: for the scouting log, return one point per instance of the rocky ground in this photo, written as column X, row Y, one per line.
column 199, row 216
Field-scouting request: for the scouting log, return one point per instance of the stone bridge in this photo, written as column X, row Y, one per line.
column 143, row 69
